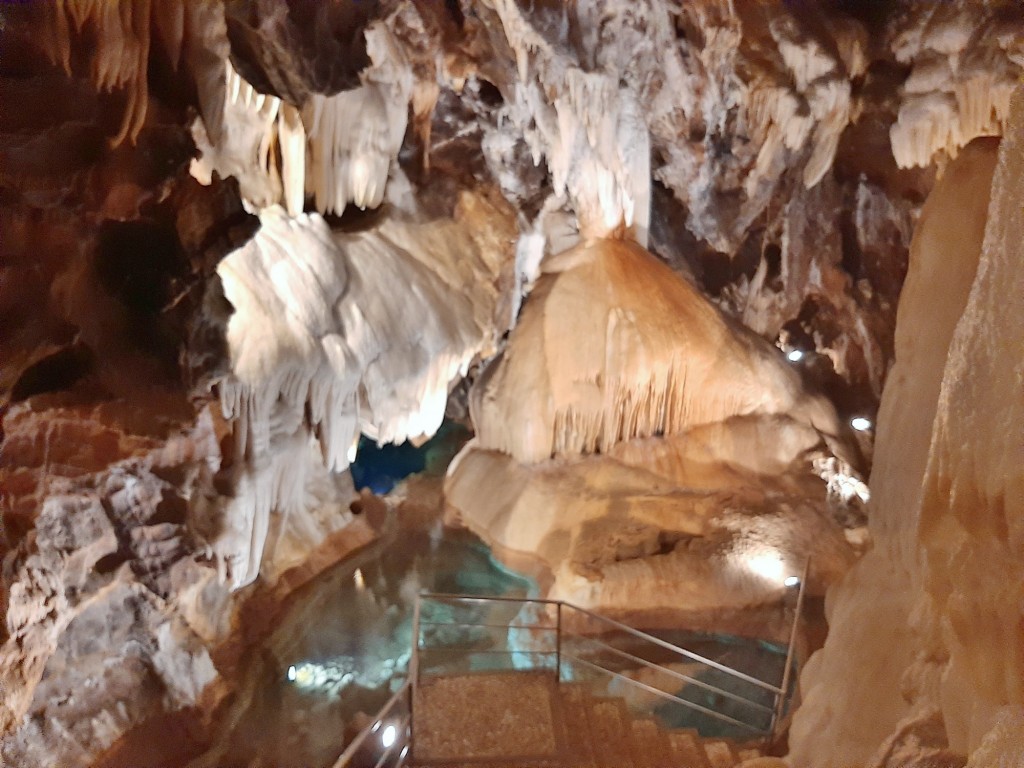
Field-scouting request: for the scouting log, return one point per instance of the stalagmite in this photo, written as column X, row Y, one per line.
column 735, row 491
column 612, row 345
column 626, row 412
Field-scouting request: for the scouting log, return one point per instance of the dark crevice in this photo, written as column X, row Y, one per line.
column 54, row 373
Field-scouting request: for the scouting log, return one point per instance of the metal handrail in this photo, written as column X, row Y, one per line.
column 470, row 652
column 671, row 697
column 441, row 596
column 676, row 649
column 611, row 622
column 395, row 745
column 787, row 670
column 482, row 624
column 779, row 694
column 382, row 714
column 678, row 675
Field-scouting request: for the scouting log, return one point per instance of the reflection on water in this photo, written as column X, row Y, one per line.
column 344, row 644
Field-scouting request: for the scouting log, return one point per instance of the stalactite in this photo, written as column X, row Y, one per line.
column 965, row 68
column 120, row 59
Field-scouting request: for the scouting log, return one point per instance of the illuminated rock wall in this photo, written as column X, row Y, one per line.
column 925, row 632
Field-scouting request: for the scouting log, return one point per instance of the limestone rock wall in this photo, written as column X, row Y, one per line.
column 925, row 630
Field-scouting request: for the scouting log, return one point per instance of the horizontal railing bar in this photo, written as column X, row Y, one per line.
column 382, row 713
column 471, row 652
column 669, row 696
column 678, row 675
column 481, row 624
column 675, row 648
column 442, row 596
column 445, row 596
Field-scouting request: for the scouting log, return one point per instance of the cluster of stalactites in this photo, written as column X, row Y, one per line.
column 192, row 31
column 262, row 144
column 589, row 129
column 337, row 149
column 351, row 335
column 966, row 64
column 120, row 57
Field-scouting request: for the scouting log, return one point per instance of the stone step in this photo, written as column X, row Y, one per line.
column 579, row 740
column 609, row 722
column 650, row 744
column 720, row 753
column 687, row 749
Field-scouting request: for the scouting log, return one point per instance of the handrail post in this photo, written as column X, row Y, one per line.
column 787, row 669
column 558, row 642
column 414, row 673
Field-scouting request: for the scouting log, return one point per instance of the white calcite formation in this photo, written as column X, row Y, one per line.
column 355, row 135
column 606, row 91
column 648, row 453
column 588, row 129
column 966, row 63
column 334, row 335
column 261, row 143
column 924, row 639
column 612, row 345
column 336, row 148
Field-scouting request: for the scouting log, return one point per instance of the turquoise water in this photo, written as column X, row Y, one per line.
column 381, row 467
column 343, row 646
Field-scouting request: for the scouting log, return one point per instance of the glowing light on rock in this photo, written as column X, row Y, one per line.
column 291, row 673
column 791, row 581
column 860, row 424
column 767, row 564
column 387, row 738
column 795, row 355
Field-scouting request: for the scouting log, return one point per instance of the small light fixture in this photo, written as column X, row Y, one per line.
column 376, row 727
column 795, row 355
column 860, row 423
column 405, row 751
column 387, row 737
column 791, row 581
column 291, row 673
